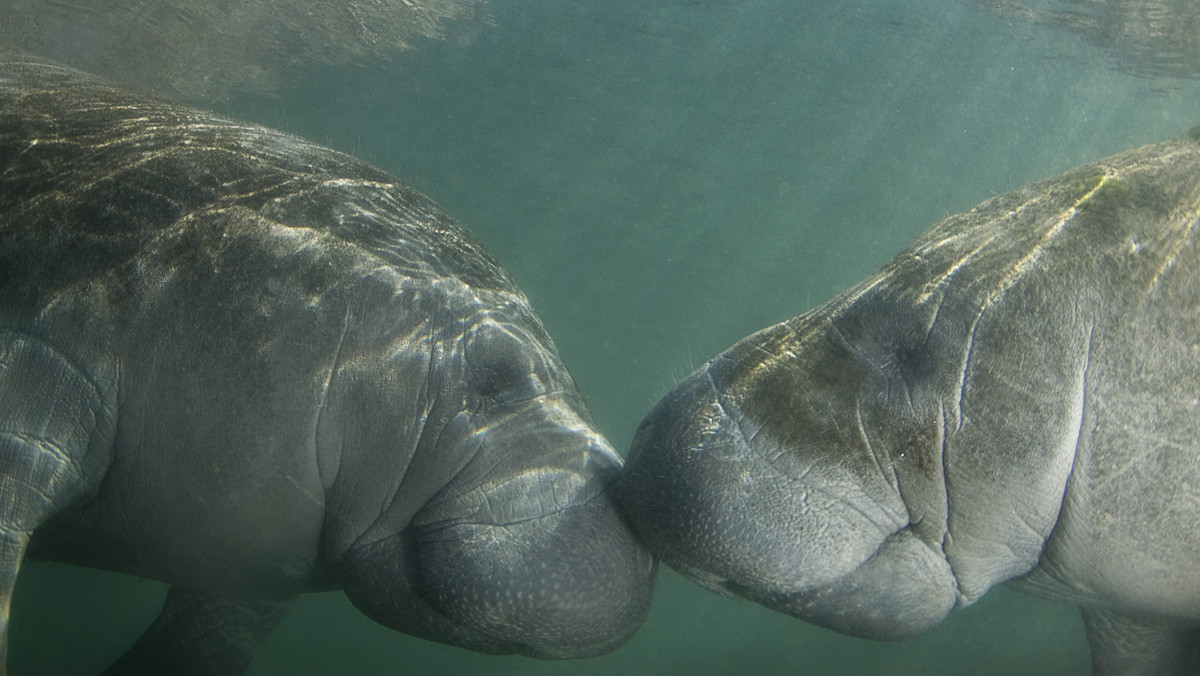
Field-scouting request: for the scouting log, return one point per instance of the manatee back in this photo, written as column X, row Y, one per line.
column 92, row 174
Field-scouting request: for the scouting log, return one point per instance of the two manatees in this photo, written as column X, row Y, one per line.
column 1016, row 396
column 252, row 367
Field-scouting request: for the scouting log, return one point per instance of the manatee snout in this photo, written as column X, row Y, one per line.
column 567, row 585
column 571, row 584
column 718, row 497
column 528, row 554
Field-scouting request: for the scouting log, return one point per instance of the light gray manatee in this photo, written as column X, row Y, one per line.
column 252, row 367
column 1016, row 396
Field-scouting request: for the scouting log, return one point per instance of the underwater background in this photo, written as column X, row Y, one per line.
column 662, row 178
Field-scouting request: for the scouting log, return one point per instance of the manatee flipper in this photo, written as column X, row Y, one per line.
column 200, row 635
column 55, row 436
column 1123, row 645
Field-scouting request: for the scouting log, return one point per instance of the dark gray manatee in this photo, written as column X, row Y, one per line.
column 251, row 367
column 1016, row 396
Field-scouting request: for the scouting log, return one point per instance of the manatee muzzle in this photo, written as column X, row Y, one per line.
column 722, row 502
column 527, row 554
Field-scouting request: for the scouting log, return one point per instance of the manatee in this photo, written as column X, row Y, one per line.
column 251, row 367
column 1014, row 397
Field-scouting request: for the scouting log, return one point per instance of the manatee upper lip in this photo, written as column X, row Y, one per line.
column 738, row 432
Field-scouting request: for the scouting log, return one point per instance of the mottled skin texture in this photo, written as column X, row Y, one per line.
column 1014, row 397
column 252, row 367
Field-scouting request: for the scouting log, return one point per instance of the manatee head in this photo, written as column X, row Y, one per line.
column 468, row 494
column 765, row 475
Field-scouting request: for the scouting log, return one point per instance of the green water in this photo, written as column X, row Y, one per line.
column 663, row 178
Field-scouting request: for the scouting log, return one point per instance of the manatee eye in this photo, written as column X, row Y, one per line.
column 499, row 367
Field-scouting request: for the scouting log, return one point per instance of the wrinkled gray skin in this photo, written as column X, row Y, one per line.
column 1014, row 397
column 252, row 367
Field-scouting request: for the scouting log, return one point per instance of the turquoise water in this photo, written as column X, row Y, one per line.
column 663, row 178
